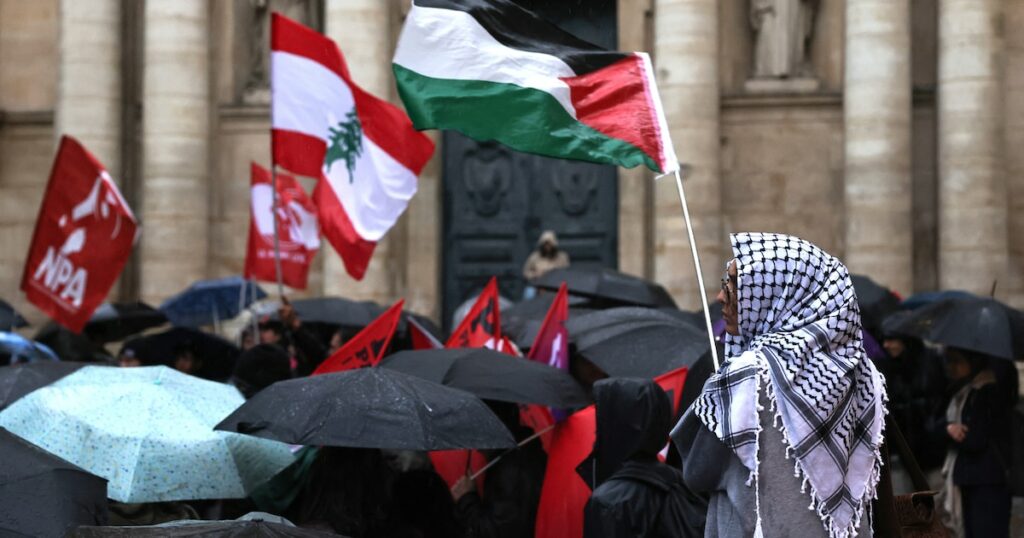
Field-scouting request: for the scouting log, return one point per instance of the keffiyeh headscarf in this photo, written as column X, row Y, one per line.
column 800, row 341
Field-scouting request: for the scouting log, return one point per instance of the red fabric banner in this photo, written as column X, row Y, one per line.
column 482, row 326
column 564, row 494
column 366, row 348
column 83, row 237
column 298, row 231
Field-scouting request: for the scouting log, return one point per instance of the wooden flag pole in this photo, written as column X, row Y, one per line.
column 696, row 266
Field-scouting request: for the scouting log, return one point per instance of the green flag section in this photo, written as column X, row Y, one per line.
column 494, row 71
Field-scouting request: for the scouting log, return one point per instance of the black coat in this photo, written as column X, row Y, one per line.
column 508, row 506
column 984, row 455
column 635, row 496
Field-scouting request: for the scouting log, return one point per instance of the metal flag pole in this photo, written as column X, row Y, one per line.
column 696, row 266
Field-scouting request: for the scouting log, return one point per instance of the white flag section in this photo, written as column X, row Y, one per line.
column 365, row 150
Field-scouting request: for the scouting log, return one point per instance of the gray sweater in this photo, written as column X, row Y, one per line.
column 711, row 468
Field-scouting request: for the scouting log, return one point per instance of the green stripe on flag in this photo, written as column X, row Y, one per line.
column 523, row 119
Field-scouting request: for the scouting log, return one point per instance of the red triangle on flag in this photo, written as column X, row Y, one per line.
column 482, row 326
column 366, row 348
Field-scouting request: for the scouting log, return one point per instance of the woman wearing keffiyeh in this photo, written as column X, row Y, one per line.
column 785, row 436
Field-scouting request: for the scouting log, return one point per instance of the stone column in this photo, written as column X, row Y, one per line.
column 1014, row 94
column 175, row 170
column 362, row 30
column 973, row 241
column 89, row 78
column 686, row 60
column 877, row 125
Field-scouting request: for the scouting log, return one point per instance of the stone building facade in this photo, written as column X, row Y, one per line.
column 890, row 132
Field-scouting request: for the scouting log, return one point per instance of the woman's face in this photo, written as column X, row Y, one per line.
column 730, row 303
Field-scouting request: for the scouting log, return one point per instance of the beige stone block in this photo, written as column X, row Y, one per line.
column 28, row 54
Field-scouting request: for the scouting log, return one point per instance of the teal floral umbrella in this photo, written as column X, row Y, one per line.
column 149, row 432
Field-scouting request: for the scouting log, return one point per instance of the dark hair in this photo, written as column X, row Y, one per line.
column 259, row 367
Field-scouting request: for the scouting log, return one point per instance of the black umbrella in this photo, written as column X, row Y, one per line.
column 217, row 354
column 876, row 302
column 20, row 379
column 607, row 286
column 978, row 324
column 205, row 529
column 117, row 321
column 369, row 408
column 43, row 495
column 10, row 319
column 324, row 315
column 70, row 346
column 637, row 342
column 521, row 321
column 492, row 375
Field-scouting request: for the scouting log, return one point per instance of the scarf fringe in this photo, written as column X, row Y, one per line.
column 817, row 503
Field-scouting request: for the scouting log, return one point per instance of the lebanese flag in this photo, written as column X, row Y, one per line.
column 564, row 494
column 83, row 237
column 495, row 71
column 482, row 326
column 298, row 233
column 365, row 150
column 366, row 348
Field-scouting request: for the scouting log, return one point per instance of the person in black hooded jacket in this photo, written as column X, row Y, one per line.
column 635, row 495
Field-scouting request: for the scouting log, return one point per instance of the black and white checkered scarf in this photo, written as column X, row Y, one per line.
column 800, row 341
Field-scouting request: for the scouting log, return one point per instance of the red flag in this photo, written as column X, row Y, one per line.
column 298, row 232
column 421, row 338
column 564, row 493
column 83, row 236
column 551, row 346
column 482, row 326
column 508, row 347
column 452, row 465
column 366, row 348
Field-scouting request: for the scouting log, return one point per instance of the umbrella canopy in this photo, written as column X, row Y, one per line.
column 15, row 349
column 607, row 285
column 369, row 408
column 492, row 375
column 978, row 324
column 217, row 354
column 209, row 301
column 875, row 300
column 10, row 319
column 324, row 315
column 20, row 379
column 43, row 495
column 70, row 346
column 117, row 321
column 637, row 342
column 149, row 431
column 235, row 528
column 923, row 298
column 521, row 321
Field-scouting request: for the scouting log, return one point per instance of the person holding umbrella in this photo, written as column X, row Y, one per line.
column 976, row 493
column 785, row 438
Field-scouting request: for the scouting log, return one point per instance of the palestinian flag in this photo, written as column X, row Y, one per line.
column 494, row 71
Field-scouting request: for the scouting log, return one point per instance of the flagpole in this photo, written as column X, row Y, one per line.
column 696, row 266
column 277, row 240
column 502, row 455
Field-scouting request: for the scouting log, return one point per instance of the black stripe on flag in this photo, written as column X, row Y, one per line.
column 515, row 27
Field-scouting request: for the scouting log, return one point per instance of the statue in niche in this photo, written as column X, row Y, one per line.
column 487, row 174
column 782, row 35
column 256, row 25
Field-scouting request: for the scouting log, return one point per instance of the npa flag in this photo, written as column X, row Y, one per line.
column 564, row 493
column 551, row 346
column 482, row 326
column 298, row 233
column 83, row 236
column 364, row 150
column 421, row 338
column 495, row 71
column 366, row 348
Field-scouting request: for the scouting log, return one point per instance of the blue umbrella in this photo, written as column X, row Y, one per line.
column 20, row 349
column 149, row 432
column 209, row 301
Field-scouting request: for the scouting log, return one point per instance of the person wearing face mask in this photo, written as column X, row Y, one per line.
column 785, row 438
